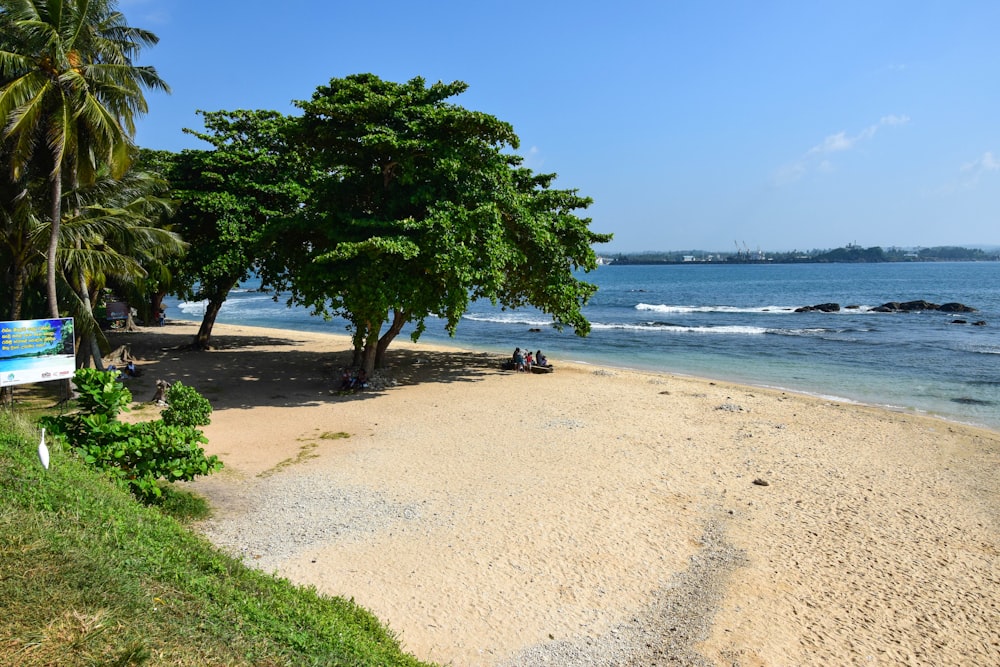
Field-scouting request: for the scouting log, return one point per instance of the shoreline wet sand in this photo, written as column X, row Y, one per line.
column 596, row 515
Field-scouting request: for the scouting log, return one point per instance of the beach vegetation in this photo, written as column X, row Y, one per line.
column 186, row 407
column 69, row 94
column 228, row 196
column 140, row 455
column 90, row 576
column 109, row 243
column 417, row 207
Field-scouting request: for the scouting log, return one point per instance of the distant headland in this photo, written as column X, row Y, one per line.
column 850, row 253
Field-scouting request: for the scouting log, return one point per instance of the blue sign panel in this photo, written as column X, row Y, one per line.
column 36, row 351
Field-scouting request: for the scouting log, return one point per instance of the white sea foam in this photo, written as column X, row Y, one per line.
column 779, row 310
column 675, row 329
column 193, row 307
column 510, row 318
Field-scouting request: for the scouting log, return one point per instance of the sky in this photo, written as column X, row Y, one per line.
column 692, row 125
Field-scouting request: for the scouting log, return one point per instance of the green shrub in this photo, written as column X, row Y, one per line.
column 100, row 392
column 186, row 407
column 141, row 454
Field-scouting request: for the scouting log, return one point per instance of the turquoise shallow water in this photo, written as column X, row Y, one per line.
column 737, row 322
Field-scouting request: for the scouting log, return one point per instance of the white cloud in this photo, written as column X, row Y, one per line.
column 894, row 120
column 834, row 143
column 974, row 170
column 533, row 158
column 971, row 173
column 985, row 163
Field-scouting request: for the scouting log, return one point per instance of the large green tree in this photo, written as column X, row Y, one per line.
column 229, row 196
column 418, row 206
column 71, row 88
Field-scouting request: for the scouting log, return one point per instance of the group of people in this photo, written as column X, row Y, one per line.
column 129, row 371
column 354, row 381
column 523, row 362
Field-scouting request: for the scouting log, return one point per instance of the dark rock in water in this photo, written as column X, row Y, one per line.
column 821, row 307
column 534, row 330
column 965, row 400
column 959, row 322
column 921, row 305
column 852, row 307
column 953, row 307
column 911, row 306
column 980, row 323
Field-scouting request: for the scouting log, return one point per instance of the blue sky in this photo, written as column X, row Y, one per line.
column 692, row 125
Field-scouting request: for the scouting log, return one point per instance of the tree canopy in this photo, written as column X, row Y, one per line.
column 229, row 196
column 417, row 207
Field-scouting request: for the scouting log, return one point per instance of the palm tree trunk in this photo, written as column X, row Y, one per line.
column 66, row 388
column 50, row 257
column 17, row 293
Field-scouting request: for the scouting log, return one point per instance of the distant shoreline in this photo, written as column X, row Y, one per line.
column 791, row 261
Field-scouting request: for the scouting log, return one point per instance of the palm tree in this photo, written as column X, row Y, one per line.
column 69, row 83
column 114, row 242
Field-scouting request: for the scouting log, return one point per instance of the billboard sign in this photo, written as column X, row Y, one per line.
column 36, row 351
column 117, row 311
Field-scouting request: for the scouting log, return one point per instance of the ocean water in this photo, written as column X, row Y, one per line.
column 737, row 322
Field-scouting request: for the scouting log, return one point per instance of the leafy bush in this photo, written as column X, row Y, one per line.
column 186, row 407
column 138, row 454
column 100, row 392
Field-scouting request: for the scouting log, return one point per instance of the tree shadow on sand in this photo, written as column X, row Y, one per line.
column 245, row 371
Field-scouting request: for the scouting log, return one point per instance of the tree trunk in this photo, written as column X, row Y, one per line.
column 17, row 293
column 89, row 348
column 155, row 301
column 371, row 346
column 398, row 320
column 50, row 262
column 369, row 335
column 204, row 335
column 16, row 300
column 50, row 257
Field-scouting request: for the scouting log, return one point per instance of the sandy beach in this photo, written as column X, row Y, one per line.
column 596, row 515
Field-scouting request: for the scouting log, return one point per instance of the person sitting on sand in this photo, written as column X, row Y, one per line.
column 541, row 360
column 518, row 360
column 346, row 380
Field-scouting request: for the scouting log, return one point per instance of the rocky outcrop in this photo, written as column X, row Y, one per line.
column 893, row 307
column 918, row 306
column 820, row 307
column 956, row 308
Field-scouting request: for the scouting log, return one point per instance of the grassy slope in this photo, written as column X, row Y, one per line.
column 90, row 577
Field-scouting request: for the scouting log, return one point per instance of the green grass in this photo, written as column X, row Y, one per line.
column 88, row 576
